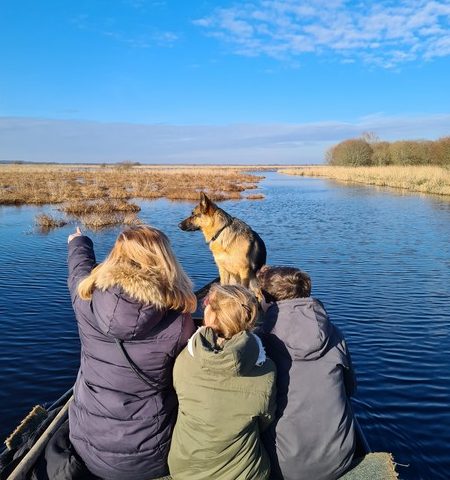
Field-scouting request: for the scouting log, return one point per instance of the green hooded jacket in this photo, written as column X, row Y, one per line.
column 226, row 398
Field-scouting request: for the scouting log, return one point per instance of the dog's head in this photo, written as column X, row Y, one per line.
column 201, row 216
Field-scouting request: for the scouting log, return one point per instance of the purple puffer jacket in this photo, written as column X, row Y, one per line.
column 119, row 425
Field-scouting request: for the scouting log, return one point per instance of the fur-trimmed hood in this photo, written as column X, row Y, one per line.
column 127, row 303
column 135, row 282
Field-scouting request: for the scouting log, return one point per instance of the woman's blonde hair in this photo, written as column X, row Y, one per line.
column 236, row 309
column 143, row 263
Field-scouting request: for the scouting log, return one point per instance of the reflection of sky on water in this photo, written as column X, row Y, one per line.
column 378, row 260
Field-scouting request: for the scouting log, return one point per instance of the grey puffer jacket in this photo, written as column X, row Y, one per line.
column 120, row 426
column 313, row 437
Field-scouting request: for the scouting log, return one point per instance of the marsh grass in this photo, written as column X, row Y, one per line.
column 47, row 222
column 100, row 196
column 255, row 196
column 84, row 207
column 98, row 221
column 425, row 179
column 27, row 184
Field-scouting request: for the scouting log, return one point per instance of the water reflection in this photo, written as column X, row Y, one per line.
column 379, row 261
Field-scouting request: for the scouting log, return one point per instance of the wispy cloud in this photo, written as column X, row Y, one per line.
column 137, row 38
column 382, row 33
column 34, row 139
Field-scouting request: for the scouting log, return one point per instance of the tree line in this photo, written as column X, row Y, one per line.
column 370, row 150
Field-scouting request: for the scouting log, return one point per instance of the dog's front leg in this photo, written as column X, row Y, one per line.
column 244, row 278
column 253, row 283
column 224, row 276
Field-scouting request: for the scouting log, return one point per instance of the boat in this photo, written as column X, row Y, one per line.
column 27, row 443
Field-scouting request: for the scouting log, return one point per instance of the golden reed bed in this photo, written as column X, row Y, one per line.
column 424, row 179
column 25, row 184
column 99, row 196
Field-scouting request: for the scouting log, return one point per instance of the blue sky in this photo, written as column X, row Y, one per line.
column 218, row 81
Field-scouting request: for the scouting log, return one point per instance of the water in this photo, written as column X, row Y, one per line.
column 380, row 261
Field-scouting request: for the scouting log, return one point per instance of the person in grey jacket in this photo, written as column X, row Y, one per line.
column 313, row 436
column 135, row 304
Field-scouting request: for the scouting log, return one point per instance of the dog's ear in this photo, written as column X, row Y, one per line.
column 205, row 203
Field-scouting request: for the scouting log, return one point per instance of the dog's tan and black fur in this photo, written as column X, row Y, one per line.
column 238, row 251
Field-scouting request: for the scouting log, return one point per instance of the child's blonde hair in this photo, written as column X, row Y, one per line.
column 236, row 309
column 146, row 251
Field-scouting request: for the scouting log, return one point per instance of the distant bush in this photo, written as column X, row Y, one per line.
column 368, row 150
column 408, row 152
column 354, row 152
column 381, row 153
column 441, row 151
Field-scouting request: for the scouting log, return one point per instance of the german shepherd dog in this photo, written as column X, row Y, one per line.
column 238, row 251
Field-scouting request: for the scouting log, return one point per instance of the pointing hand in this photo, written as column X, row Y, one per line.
column 73, row 235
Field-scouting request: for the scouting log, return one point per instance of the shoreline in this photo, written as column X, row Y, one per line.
column 430, row 180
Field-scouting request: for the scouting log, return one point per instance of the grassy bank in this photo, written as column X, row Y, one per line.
column 100, row 196
column 424, row 179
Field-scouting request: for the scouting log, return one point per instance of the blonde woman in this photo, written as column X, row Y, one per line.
column 225, row 388
column 133, row 312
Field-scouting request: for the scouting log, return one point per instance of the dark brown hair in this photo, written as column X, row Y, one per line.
column 283, row 283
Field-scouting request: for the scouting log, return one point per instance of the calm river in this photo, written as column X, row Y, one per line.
column 380, row 262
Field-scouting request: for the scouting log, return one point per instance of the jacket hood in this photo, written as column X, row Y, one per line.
column 303, row 324
column 123, row 317
column 136, row 283
column 235, row 356
column 127, row 302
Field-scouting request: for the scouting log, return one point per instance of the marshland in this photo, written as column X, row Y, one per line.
column 101, row 196
column 428, row 179
column 416, row 165
column 379, row 260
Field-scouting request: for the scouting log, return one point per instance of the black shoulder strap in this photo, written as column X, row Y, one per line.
column 148, row 381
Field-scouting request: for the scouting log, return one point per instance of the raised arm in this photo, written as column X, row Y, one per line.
column 81, row 260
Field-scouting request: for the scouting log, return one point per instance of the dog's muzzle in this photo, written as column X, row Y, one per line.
column 187, row 226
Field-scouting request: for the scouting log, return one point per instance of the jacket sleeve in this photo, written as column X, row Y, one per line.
column 349, row 374
column 81, row 261
column 267, row 416
column 187, row 330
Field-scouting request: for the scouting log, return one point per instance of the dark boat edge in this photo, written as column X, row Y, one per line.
column 361, row 450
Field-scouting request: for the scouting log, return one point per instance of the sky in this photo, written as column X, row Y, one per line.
column 258, row 81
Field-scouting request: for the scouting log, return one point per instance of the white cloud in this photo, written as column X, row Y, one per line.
column 383, row 33
column 34, row 139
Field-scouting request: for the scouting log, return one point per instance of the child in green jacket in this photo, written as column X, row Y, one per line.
column 226, row 393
